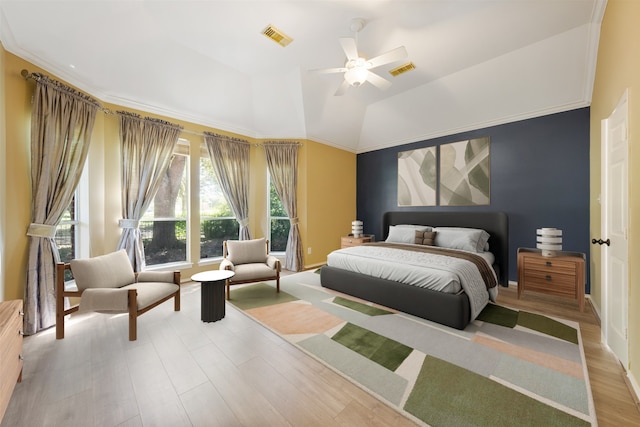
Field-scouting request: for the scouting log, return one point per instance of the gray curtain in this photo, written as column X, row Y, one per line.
column 230, row 160
column 282, row 161
column 62, row 120
column 146, row 147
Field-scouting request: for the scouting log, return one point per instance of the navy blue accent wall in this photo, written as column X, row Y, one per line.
column 539, row 177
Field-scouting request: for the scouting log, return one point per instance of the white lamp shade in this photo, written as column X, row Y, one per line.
column 549, row 240
column 356, row 228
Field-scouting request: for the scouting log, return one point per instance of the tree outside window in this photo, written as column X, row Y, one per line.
column 164, row 224
column 278, row 221
column 217, row 222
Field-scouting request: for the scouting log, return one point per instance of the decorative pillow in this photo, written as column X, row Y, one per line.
column 468, row 239
column 426, row 238
column 415, row 227
column 401, row 234
column 247, row 251
column 112, row 270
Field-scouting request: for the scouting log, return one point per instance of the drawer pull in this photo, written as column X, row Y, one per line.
column 548, row 263
column 21, row 357
column 21, row 313
column 21, row 333
column 547, row 277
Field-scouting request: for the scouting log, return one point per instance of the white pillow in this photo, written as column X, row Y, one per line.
column 401, row 234
column 468, row 239
column 415, row 227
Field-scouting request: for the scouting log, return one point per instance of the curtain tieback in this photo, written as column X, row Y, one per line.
column 244, row 222
column 293, row 221
column 41, row 230
column 128, row 223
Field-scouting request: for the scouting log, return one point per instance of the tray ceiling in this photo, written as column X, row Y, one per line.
column 478, row 62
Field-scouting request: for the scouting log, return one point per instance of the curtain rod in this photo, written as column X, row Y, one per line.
column 27, row 75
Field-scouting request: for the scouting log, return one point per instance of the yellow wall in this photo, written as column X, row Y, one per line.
column 618, row 69
column 3, row 157
column 326, row 191
column 333, row 203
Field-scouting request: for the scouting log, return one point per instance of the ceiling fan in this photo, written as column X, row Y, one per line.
column 357, row 69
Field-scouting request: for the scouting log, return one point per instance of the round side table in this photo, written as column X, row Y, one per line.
column 212, row 293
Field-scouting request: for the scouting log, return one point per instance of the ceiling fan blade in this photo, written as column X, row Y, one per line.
column 349, row 47
column 391, row 56
column 329, row 70
column 378, row 81
column 342, row 89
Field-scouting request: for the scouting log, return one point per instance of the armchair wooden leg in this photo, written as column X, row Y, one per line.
column 278, row 284
column 60, row 301
column 59, row 325
column 176, row 302
column 133, row 315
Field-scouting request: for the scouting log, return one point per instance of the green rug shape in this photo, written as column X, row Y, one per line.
column 384, row 351
column 360, row 307
column 499, row 315
column 548, row 326
column 447, row 395
column 259, row 295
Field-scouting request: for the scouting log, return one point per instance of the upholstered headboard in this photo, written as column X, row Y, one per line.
column 494, row 223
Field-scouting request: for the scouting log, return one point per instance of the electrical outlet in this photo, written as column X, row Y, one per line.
column 309, row 250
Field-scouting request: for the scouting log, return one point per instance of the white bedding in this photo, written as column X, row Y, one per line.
column 436, row 272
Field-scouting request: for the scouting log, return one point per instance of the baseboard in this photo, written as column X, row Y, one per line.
column 596, row 309
column 312, row 266
column 633, row 387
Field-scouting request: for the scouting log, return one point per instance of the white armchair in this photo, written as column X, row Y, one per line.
column 250, row 261
column 107, row 284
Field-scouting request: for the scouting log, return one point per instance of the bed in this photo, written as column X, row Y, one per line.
column 450, row 309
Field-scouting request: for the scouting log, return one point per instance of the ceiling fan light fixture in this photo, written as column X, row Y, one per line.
column 356, row 76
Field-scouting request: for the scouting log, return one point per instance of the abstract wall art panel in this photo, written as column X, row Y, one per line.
column 417, row 177
column 464, row 173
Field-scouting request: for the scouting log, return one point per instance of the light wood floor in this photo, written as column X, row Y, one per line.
column 182, row 372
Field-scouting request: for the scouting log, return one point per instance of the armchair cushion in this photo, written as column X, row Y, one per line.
column 253, row 272
column 226, row 263
column 155, row 276
column 105, row 300
column 273, row 262
column 247, row 251
column 150, row 292
column 112, row 270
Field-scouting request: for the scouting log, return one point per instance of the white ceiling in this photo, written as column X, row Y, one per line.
column 478, row 62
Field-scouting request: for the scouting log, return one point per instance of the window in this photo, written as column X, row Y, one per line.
column 278, row 222
column 164, row 225
column 72, row 233
column 66, row 232
column 217, row 222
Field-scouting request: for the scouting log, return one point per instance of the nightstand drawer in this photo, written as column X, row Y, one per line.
column 348, row 241
column 550, row 265
column 556, row 284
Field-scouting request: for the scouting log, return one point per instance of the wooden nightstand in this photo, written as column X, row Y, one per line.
column 348, row 241
column 562, row 275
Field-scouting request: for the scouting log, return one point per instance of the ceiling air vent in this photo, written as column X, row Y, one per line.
column 402, row 69
column 276, row 35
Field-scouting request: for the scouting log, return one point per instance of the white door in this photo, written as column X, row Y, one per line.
column 615, row 149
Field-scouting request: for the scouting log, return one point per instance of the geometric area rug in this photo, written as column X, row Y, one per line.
column 507, row 368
